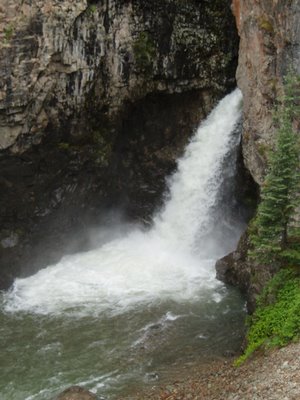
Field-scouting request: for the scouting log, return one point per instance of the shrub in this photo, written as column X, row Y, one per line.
column 276, row 320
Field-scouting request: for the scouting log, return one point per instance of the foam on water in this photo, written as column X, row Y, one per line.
column 146, row 267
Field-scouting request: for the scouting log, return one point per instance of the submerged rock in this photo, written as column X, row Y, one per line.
column 76, row 393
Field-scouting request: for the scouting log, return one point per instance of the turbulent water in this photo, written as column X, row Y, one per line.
column 117, row 316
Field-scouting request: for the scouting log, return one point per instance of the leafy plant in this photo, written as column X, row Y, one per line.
column 276, row 320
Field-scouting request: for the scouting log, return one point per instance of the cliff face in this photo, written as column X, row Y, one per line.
column 269, row 47
column 97, row 99
column 57, row 57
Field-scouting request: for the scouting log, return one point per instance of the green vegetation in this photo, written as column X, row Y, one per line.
column 8, row 32
column 263, row 150
column 276, row 320
column 266, row 25
column 64, row 146
column 92, row 8
column 144, row 51
column 102, row 146
column 273, row 236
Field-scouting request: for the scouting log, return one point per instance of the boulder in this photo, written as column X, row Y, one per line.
column 76, row 393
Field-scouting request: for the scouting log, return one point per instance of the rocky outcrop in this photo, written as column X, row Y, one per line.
column 235, row 269
column 269, row 47
column 97, row 99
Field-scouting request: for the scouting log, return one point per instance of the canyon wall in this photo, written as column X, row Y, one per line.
column 269, row 33
column 97, row 100
column 269, row 47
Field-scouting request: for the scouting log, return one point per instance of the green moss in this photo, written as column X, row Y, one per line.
column 263, row 150
column 102, row 146
column 144, row 51
column 246, row 136
column 266, row 25
column 8, row 32
column 92, row 8
column 64, row 146
column 276, row 320
column 272, row 83
column 19, row 232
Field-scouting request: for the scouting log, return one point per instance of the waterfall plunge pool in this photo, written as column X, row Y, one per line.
column 115, row 354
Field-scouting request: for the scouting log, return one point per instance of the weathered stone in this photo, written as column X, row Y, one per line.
column 235, row 270
column 58, row 51
column 76, row 393
column 269, row 46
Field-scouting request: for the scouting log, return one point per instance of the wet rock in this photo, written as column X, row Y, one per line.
column 236, row 269
column 9, row 239
column 76, row 393
column 151, row 377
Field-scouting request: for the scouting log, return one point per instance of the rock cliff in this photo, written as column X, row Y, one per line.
column 97, row 99
column 269, row 47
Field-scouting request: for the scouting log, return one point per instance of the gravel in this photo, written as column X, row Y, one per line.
column 270, row 375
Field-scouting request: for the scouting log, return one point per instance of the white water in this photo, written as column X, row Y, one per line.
column 147, row 267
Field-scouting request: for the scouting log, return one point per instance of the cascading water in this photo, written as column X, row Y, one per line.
column 125, row 299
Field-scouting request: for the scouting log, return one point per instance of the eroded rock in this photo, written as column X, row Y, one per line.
column 76, row 393
column 269, row 46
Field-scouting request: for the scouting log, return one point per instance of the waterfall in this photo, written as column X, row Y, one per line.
column 189, row 212
column 164, row 263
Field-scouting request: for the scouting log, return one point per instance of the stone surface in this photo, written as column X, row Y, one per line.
column 76, row 393
column 272, row 374
column 235, row 269
column 97, row 100
column 269, row 46
column 58, row 57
